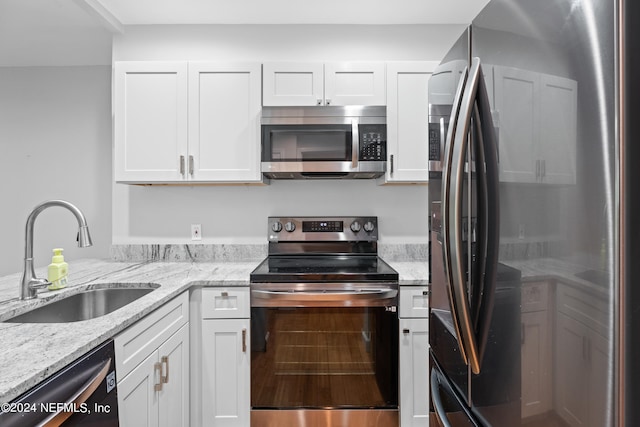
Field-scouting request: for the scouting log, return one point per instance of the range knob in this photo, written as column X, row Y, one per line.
column 276, row 226
column 368, row 226
column 289, row 226
column 355, row 226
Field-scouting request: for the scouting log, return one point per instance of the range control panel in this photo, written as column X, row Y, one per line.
column 373, row 142
column 336, row 229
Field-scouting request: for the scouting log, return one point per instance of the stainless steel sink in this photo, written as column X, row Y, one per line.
column 87, row 304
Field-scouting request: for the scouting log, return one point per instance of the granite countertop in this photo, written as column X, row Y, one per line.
column 567, row 271
column 37, row 350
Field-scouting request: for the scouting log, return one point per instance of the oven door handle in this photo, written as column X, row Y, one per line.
column 309, row 298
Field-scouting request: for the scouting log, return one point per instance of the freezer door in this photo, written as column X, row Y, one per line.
column 446, row 408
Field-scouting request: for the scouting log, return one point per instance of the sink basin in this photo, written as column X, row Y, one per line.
column 86, row 305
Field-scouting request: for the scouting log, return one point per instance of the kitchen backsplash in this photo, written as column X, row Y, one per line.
column 240, row 253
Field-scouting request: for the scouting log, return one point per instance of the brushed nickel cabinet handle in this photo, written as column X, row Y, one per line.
column 182, row 165
column 157, row 368
column 164, row 361
column 391, row 164
column 225, row 294
column 191, row 165
column 244, row 340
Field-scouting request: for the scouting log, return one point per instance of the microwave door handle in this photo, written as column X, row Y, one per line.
column 446, row 204
column 460, row 302
column 355, row 148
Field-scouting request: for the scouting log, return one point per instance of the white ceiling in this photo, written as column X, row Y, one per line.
column 78, row 32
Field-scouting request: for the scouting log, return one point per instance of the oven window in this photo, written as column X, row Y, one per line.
column 308, row 143
column 324, row 358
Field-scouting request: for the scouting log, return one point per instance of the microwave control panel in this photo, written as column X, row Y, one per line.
column 373, row 142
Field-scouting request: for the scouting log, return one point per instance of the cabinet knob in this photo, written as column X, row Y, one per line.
column 328, row 102
column 406, row 331
column 318, row 101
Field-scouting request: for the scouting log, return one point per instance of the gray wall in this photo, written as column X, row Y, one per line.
column 55, row 135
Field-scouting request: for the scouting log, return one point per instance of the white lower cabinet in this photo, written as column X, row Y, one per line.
column 414, row 357
column 152, row 368
column 536, row 353
column 583, row 358
column 225, row 375
column 224, row 358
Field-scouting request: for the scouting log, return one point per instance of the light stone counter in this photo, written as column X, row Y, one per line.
column 32, row 352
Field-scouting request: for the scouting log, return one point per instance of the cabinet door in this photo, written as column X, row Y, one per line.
column 517, row 108
column 572, row 371
column 292, row 84
column 137, row 399
column 150, row 121
column 536, row 363
column 408, row 121
column 354, row 83
column 414, row 372
column 599, row 376
column 226, row 384
column 224, row 122
column 174, row 397
column 558, row 129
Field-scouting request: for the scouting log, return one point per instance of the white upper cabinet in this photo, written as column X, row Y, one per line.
column 292, row 83
column 150, row 103
column 558, row 130
column 224, row 121
column 314, row 83
column 354, row 83
column 180, row 122
column 536, row 116
column 517, row 104
column 408, row 121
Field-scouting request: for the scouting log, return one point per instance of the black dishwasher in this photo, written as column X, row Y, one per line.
column 83, row 393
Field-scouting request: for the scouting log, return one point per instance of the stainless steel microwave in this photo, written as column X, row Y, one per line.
column 324, row 142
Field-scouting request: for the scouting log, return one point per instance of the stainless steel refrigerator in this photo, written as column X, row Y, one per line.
column 534, row 208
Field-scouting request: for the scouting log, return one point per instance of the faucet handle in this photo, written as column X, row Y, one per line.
column 38, row 283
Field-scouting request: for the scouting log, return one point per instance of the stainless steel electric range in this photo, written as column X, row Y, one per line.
column 324, row 326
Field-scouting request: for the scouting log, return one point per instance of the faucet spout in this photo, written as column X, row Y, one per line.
column 29, row 282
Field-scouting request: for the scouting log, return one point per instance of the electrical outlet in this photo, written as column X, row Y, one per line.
column 521, row 231
column 196, row 232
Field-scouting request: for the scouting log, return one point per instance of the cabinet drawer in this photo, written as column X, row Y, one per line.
column 414, row 301
column 535, row 296
column 585, row 307
column 137, row 342
column 225, row 303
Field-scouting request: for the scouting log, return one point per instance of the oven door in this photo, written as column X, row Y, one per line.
column 323, row 351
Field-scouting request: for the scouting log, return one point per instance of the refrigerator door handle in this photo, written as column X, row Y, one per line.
column 483, row 280
column 453, row 223
column 439, row 411
column 446, row 202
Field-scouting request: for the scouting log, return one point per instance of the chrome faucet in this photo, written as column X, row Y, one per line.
column 29, row 283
